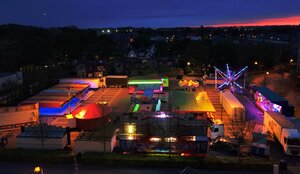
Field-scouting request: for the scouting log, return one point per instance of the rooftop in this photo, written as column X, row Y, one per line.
column 269, row 94
column 5, row 74
column 232, row 100
column 48, row 132
column 281, row 119
column 57, row 95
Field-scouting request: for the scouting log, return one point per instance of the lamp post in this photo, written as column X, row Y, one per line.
column 221, row 109
column 258, row 63
column 266, row 78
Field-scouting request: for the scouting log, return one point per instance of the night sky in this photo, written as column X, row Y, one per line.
column 150, row 13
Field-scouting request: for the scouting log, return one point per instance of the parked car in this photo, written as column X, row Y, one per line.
column 229, row 145
column 225, row 145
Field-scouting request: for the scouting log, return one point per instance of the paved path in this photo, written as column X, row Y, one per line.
column 220, row 113
column 27, row 168
column 252, row 112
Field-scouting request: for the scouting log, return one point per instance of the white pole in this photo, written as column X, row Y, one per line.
column 216, row 78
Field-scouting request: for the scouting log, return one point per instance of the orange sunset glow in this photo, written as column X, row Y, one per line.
column 292, row 20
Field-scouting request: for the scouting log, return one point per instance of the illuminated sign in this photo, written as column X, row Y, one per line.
column 276, row 108
column 162, row 115
column 165, row 82
column 192, row 147
column 157, row 108
column 136, row 107
column 141, row 82
column 81, row 114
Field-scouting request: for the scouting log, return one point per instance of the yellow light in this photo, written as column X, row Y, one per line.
column 255, row 63
column 267, row 72
column 155, row 139
column 37, row 169
column 130, row 137
column 171, row 139
column 130, row 128
column 80, row 115
column 103, row 103
column 69, row 116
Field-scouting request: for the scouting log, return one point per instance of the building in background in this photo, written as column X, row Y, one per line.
column 9, row 88
column 298, row 59
column 93, row 68
column 164, row 133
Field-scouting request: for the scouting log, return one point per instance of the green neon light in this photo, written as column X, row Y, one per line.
column 140, row 82
column 165, row 82
column 136, row 107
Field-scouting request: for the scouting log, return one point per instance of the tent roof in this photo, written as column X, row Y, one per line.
column 89, row 111
column 191, row 102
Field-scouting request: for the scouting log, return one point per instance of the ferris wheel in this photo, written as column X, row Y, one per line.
column 230, row 78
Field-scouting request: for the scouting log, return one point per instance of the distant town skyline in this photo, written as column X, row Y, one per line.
column 154, row 13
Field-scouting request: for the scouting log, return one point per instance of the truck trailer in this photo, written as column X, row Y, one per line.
column 116, row 81
column 93, row 82
column 232, row 106
column 284, row 131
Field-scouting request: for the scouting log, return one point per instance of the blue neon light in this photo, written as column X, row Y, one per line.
column 59, row 111
column 158, row 106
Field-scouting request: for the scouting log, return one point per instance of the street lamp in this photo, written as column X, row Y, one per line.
column 256, row 63
column 188, row 63
column 291, row 61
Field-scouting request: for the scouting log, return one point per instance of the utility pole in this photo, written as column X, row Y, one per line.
column 221, row 109
column 42, row 143
column 69, row 95
column 216, row 78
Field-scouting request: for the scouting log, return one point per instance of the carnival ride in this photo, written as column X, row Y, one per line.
column 230, row 78
column 188, row 84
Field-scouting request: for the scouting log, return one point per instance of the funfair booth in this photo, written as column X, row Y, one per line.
column 45, row 137
column 139, row 86
column 164, row 133
column 267, row 100
column 59, row 99
column 95, row 142
column 188, row 84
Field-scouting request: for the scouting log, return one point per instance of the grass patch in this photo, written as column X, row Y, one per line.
column 136, row 160
column 146, row 160
column 49, row 156
column 230, row 163
column 140, row 160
